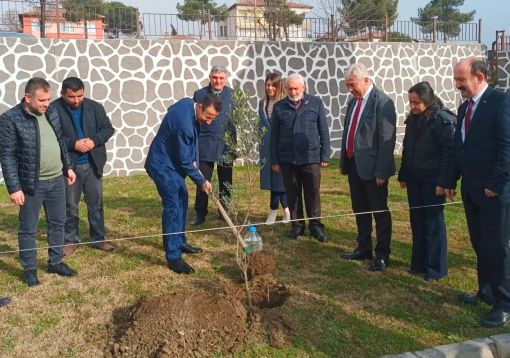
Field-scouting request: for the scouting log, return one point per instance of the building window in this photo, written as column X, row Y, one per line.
column 223, row 31
column 35, row 26
column 67, row 27
column 91, row 28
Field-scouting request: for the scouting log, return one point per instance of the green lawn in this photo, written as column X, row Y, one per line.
column 337, row 308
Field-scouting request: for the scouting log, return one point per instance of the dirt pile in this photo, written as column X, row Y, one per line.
column 259, row 264
column 184, row 325
column 206, row 322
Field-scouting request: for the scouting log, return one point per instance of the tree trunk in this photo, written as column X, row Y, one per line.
column 42, row 19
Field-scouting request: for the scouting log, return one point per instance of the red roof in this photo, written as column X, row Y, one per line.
column 261, row 3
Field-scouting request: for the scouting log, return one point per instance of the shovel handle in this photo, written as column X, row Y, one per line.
column 229, row 222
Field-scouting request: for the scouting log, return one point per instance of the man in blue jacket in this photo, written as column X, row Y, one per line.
column 34, row 160
column 212, row 144
column 172, row 157
column 300, row 147
column 86, row 129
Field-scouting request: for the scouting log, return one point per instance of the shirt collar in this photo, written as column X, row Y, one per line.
column 479, row 95
column 367, row 93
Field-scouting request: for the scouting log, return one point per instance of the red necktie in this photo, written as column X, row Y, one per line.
column 467, row 117
column 352, row 130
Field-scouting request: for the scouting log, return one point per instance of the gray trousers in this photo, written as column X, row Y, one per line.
column 92, row 188
column 51, row 195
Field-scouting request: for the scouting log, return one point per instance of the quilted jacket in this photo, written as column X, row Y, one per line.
column 20, row 148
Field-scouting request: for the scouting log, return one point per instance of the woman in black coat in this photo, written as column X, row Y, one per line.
column 270, row 180
column 426, row 157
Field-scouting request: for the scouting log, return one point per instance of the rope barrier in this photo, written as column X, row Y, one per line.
column 228, row 227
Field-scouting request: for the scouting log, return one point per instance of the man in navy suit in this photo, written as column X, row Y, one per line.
column 212, row 146
column 367, row 159
column 482, row 159
column 170, row 160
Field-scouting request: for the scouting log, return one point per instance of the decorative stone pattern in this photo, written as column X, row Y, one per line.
column 504, row 71
column 137, row 80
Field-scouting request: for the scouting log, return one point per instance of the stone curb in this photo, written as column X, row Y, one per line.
column 491, row 347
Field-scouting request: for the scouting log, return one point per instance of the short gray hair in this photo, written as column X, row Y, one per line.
column 296, row 77
column 218, row 68
column 357, row 70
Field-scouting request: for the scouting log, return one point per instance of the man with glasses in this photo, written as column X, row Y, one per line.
column 368, row 143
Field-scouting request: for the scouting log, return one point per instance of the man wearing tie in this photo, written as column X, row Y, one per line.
column 482, row 159
column 367, row 159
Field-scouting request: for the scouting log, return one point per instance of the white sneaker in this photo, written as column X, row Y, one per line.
column 286, row 215
column 271, row 217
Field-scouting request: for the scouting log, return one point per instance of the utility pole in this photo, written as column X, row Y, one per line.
column 445, row 37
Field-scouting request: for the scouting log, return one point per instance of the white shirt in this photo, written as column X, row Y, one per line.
column 476, row 100
column 363, row 104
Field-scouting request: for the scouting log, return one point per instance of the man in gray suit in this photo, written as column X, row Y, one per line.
column 367, row 159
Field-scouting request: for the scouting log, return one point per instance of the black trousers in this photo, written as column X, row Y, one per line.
column 225, row 183
column 367, row 196
column 489, row 230
column 429, row 255
column 299, row 180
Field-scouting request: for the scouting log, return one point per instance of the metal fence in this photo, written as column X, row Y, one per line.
column 72, row 19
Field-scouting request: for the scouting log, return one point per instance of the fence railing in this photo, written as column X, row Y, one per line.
column 72, row 19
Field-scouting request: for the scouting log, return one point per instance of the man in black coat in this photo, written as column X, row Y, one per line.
column 300, row 147
column 212, row 148
column 367, row 159
column 482, row 159
column 86, row 128
column 35, row 160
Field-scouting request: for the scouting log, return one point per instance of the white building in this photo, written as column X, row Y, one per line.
column 246, row 21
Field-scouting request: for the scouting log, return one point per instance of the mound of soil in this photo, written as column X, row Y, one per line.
column 206, row 322
column 184, row 325
column 260, row 263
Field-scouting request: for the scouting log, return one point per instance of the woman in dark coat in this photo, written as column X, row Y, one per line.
column 426, row 158
column 270, row 180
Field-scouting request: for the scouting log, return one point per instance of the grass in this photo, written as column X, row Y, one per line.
column 337, row 308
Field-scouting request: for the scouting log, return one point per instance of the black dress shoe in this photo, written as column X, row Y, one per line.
column 318, row 233
column 180, row 266
column 61, row 269
column 414, row 272
column 431, row 279
column 30, row 278
column 199, row 220
column 469, row 299
column 4, row 301
column 188, row 249
column 496, row 318
column 379, row 264
column 295, row 232
column 357, row 255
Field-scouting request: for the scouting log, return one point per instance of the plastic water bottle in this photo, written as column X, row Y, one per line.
column 253, row 240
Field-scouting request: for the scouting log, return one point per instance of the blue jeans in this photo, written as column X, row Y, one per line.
column 174, row 197
column 51, row 195
column 92, row 188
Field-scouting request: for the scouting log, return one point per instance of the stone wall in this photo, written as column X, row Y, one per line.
column 504, row 71
column 137, row 80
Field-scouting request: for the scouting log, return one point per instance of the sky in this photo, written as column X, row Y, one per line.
column 495, row 14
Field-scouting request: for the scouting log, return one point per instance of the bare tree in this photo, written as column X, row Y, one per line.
column 10, row 21
column 277, row 17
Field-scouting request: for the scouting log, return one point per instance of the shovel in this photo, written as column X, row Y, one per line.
column 246, row 248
